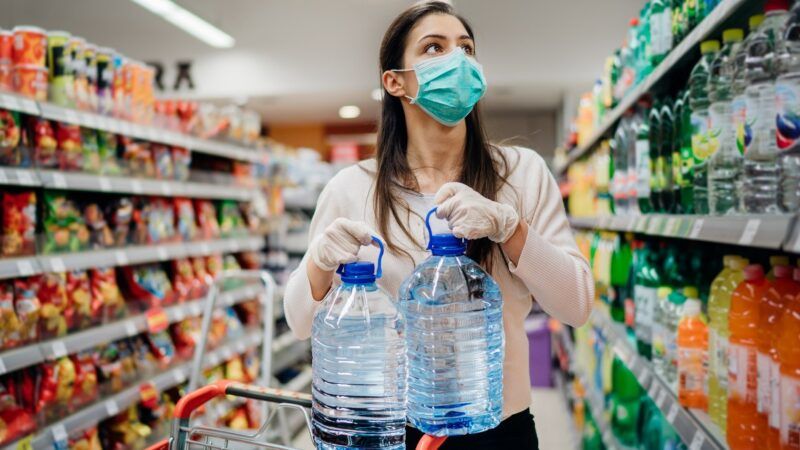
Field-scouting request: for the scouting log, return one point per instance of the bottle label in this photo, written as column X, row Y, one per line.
column 632, row 184
column 713, row 359
column 701, row 147
column 742, row 373
column 720, row 123
column 655, row 34
column 661, row 181
column 659, row 341
column 739, row 114
column 677, row 173
column 787, row 117
column 775, row 394
column 644, row 296
column 692, row 370
column 722, row 361
column 763, row 367
column 643, row 168
column 790, row 425
column 752, row 112
column 665, row 28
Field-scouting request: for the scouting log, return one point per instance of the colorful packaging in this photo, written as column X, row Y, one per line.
column 90, row 60
column 87, row 311
column 56, row 388
column 214, row 265
column 55, row 309
column 30, row 44
column 91, row 151
column 154, row 222
column 28, row 308
column 230, row 218
column 162, row 347
column 15, row 422
column 149, row 285
column 19, row 224
column 163, row 162
column 118, row 86
column 186, row 224
column 107, row 151
column 59, row 65
column 105, row 80
column 10, row 154
column 138, row 158
column 120, row 213
column 30, row 81
column 100, row 235
column 186, row 284
column 6, row 75
column 9, row 322
column 78, row 62
column 185, row 336
column 6, row 47
column 201, row 274
column 86, row 388
column 70, row 147
column 85, row 440
column 181, row 160
column 64, row 227
column 206, row 219
column 106, row 290
column 45, row 154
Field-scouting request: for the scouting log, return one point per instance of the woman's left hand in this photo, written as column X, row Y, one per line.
column 473, row 216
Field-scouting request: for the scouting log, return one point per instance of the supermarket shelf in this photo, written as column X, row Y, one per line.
column 763, row 231
column 33, row 265
column 660, row 75
column 594, row 401
column 694, row 427
column 300, row 198
column 37, row 353
column 291, row 354
column 87, row 417
column 793, row 241
column 150, row 133
column 16, row 103
column 296, row 242
column 19, row 177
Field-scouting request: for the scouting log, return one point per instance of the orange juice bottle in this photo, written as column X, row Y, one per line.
column 789, row 358
column 692, row 356
column 781, row 291
column 743, row 429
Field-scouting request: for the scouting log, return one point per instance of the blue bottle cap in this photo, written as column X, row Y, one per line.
column 359, row 272
column 444, row 244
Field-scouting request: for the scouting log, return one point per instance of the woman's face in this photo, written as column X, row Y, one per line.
column 434, row 35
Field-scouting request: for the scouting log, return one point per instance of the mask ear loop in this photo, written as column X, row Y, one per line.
column 411, row 100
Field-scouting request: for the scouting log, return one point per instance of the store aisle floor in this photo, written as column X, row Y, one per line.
column 553, row 422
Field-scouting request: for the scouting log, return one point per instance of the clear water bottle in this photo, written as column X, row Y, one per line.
column 744, row 132
column 760, row 177
column 359, row 364
column 787, row 89
column 454, row 337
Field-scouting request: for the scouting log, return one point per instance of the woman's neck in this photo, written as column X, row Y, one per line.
column 435, row 152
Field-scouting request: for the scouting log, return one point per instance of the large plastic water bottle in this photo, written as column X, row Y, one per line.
column 787, row 89
column 454, row 337
column 760, row 177
column 359, row 364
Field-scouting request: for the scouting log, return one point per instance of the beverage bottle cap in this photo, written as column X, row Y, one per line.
column 692, row 307
column 732, row 35
column 776, row 5
column 727, row 260
column 755, row 21
column 677, row 298
column 709, row 47
column 739, row 263
column 360, row 272
column 690, row 292
column 782, row 271
column 778, row 260
column 753, row 272
column 663, row 292
column 634, row 22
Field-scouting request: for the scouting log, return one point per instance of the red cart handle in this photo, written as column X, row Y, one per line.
column 429, row 442
column 193, row 400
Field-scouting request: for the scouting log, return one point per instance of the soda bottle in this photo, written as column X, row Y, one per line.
column 676, row 166
column 719, row 302
column 760, row 177
column 645, row 296
column 620, row 270
column 685, row 193
column 787, row 90
column 789, row 360
column 743, row 430
column 664, row 162
column 644, row 67
column 678, row 24
column 643, row 162
column 631, row 182
column 660, row 30
column 654, row 120
column 775, row 299
column 701, row 123
column 744, row 131
column 626, row 398
column 692, row 356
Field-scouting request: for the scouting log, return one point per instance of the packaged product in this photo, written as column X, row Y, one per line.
column 138, row 158
column 70, row 147
column 107, row 153
column 30, row 44
column 9, row 322
column 201, row 274
column 89, row 56
column 230, row 218
column 30, row 81
column 181, row 161
column 100, row 235
column 162, row 158
column 183, row 279
column 233, row 326
column 249, row 313
column 214, row 265
column 149, row 286
column 88, row 311
column 10, row 154
column 251, row 216
column 19, row 223
column 88, row 439
column 6, row 73
column 28, row 308
column 144, row 359
column 185, row 336
column 120, row 214
column 15, row 422
column 81, row 85
column 55, row 309
column 234, row 370
column 86, row 383
column 105, row 80
column 64, row 227
column 162, row 347
column 154, row 221
column 118, row 86
column 6, row 57
column 206, row 219
column 116, row 366
column 106, row 290
column 251, row 364
column 45, row 153
column 60, row 70
column 186, row 224
column 125, row 431
column 56, row 388
column 91, row 151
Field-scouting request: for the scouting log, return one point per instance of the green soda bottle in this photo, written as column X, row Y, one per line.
column 645, row 297
column 665, row 158
column 660, row 30
column 626, row 396
column 621, row 261
column 654, row 119
column 677, row 173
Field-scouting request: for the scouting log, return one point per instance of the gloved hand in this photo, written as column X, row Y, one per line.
column 339, row 243
column 473, row 216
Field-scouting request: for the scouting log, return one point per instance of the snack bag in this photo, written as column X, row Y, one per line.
column 9, row 322
column 106, row 291
column 88, row 311
column 70, row 147
column 109, row 366
column 55, row 310
column 234, row 370
column 100, row 235
column 85, row 440
column 19, row 224
column 15, row 422
column 162, row 347
column 45, row 154
column 162, row 159
column 138, row 158
column 107, row 153
column 126, row 431
column 251, row 364
column 206, row 219
column 183, row 279
column 91, row 151
column 230, row 218
column 56, row 387
column 181, row 160
column 10, row 154
column 28, row 308
column 201, row 274
column 65, row 229
column 86, row 389
column 185, row 335
column 149, row 285
column 120, row 214
column 162, row 223
column 187, row 226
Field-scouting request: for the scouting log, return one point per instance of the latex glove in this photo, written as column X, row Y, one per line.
column 339, row 243
column 473, row 216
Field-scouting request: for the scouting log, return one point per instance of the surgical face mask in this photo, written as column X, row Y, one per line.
column 449, row 86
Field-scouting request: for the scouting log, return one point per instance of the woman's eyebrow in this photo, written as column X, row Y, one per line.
column 441, row 36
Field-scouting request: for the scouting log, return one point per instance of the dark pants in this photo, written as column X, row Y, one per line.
column 517, row 432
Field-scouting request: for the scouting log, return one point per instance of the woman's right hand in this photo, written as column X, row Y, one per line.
column 339, row 244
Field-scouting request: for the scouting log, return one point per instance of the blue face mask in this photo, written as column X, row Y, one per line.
column 449, row 86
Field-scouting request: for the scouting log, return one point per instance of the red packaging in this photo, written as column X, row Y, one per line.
column 44, row 143
column 28, row 308
column 87, row 311
column 201, row 274
column 55, row 310
column 30, row 46
column 70, row 147
column 6, row 77
column 9, row 322
column 139, row 158
column 106, row 290
column 56, row 388
column 207, row 221
column 86, row 388
column 186, row 285
column 214, row 265
column 15, row 422
column 19, row 224
column 30, row 81
column 6, row 47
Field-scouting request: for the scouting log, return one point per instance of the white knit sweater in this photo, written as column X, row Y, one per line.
column 550, row 270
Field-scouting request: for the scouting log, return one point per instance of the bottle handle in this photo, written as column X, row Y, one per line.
column 428, row 225
column 379, row 269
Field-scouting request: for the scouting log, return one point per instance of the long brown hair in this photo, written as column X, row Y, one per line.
column 478, row 169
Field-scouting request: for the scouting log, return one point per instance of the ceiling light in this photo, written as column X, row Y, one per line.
column 377, row 94
column 349, row 112
column 188, row 22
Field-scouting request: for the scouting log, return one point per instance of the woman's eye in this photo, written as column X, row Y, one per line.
column 468, row 49
column 432, row 49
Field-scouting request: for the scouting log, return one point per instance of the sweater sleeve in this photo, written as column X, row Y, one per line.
column 550, row 265
column 298, row 304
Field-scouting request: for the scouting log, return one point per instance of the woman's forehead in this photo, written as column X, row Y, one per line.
column 438, row 24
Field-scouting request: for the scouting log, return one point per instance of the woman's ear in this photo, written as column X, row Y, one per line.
column 393, row 83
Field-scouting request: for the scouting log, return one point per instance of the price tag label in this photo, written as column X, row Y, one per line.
column 24, row 177
column 654, row 226
column 121, row 257
column 662, row 397
column 163, row 255
column 112, row 408
column 71, row 117
column 671, row 229
column 157, row 320
column 653, row 391
column 10, row 102
column 59, row 182
column 166, row 188
column 57, row 265
column 24, row 267
column 178, row 376
column 89, row 120
column 750, row 231
column 697, row 227
column 641, row 224
column 136, row 187
column 59, row 433
column 672, row 413
column 59, row 349
column 105, row 184
column 697, row 441
column 131, row 329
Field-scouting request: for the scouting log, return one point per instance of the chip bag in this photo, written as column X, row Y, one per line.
column 19, row 224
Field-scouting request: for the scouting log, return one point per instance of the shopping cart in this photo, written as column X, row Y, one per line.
column 184, row 436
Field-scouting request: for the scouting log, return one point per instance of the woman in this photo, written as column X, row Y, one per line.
column 431, row 151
